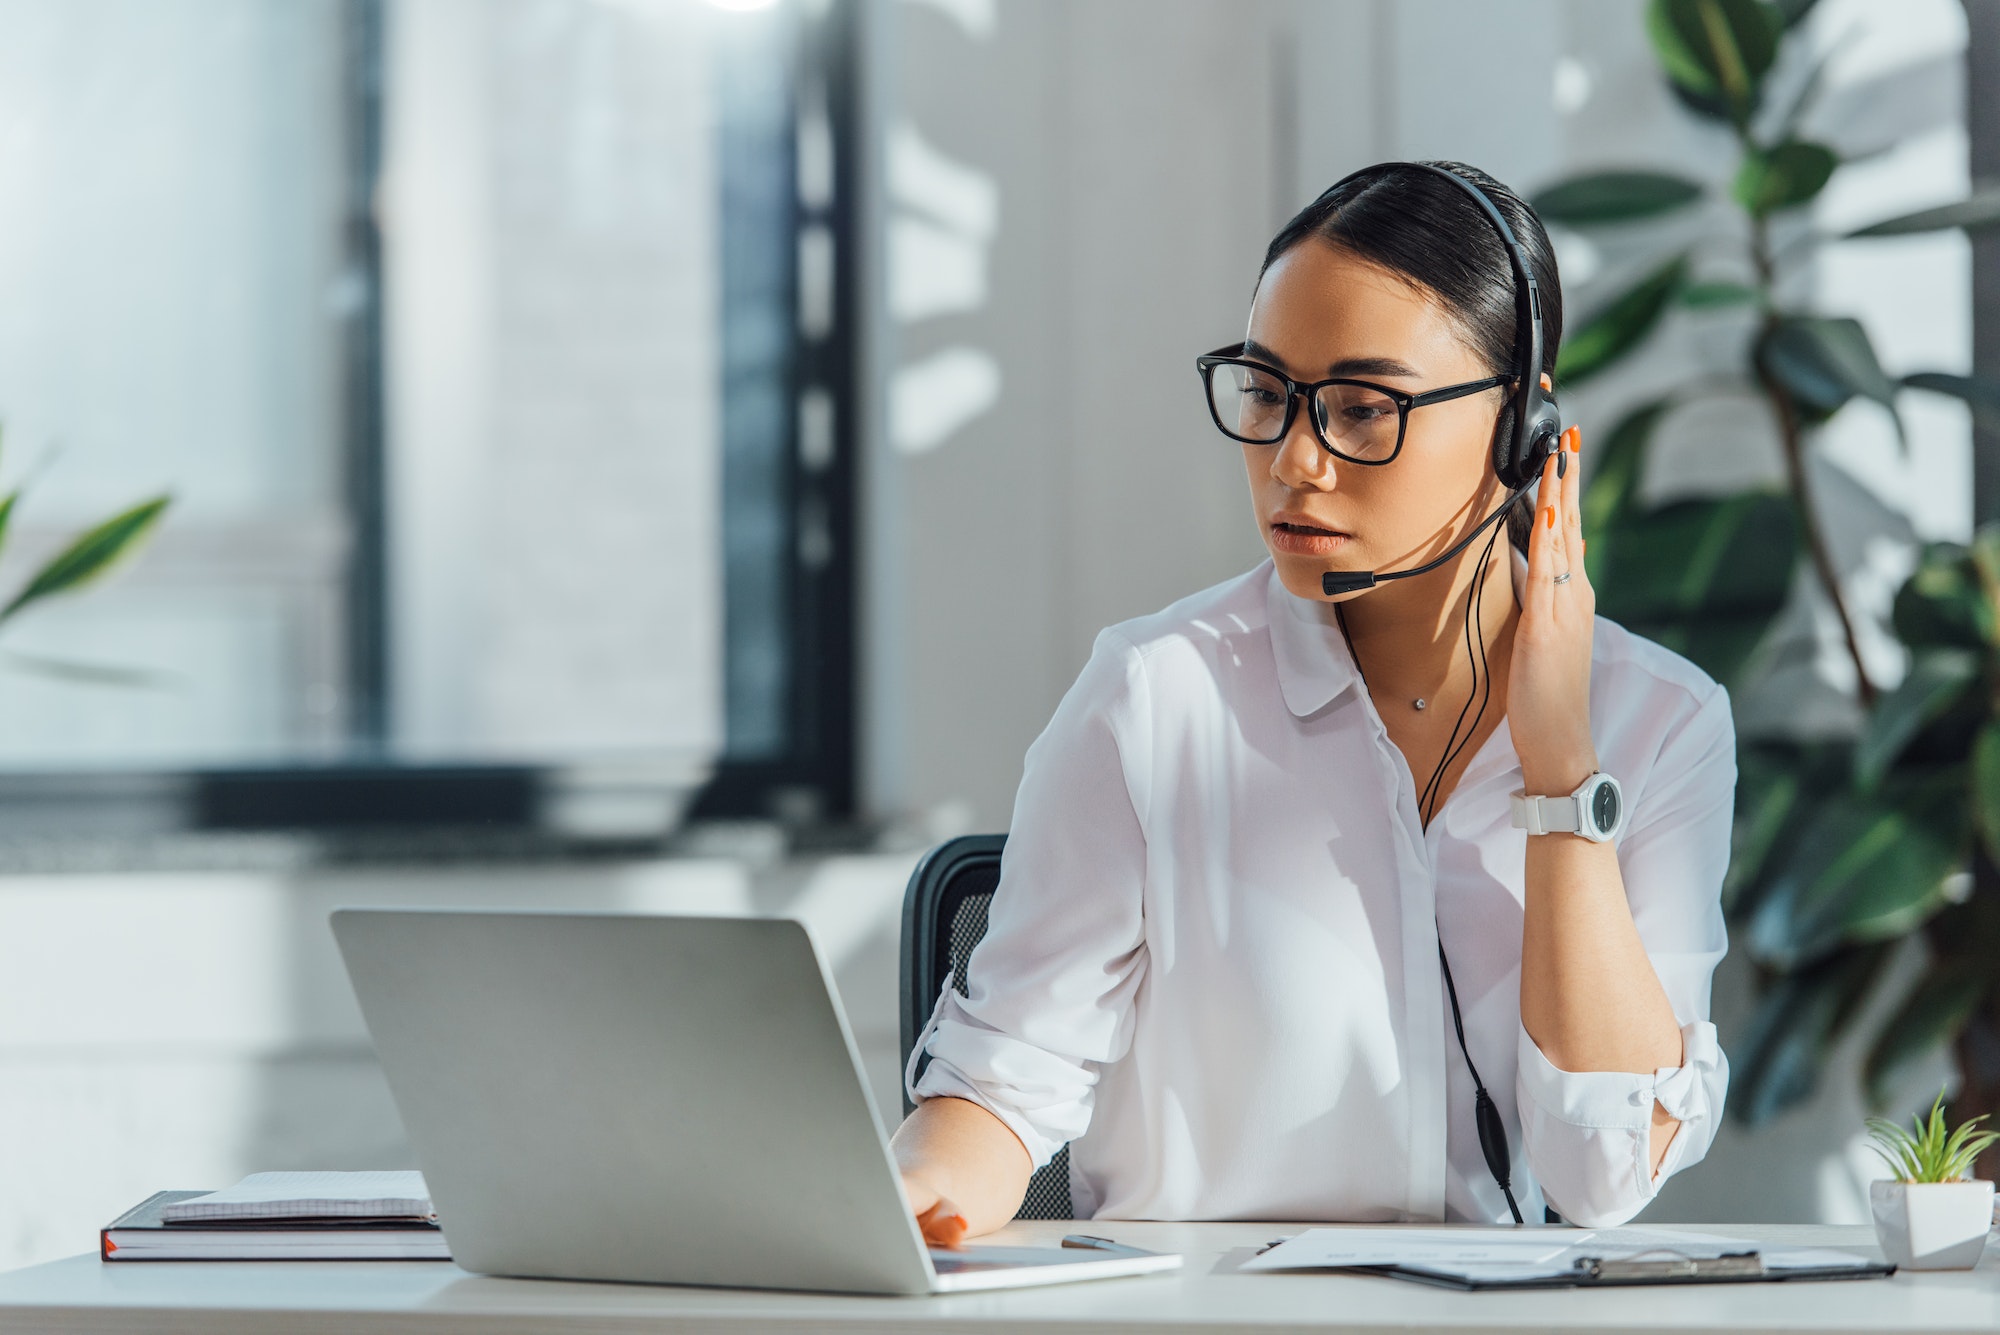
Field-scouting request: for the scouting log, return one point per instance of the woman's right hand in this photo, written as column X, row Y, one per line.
column 950, row 1144
column 942, row 1223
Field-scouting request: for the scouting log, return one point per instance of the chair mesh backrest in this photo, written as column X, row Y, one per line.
column 1048, row 1189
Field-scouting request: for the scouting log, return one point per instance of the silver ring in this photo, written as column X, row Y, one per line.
column 1563, row 578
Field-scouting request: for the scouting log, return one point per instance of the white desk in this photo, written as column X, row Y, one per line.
column 374, row 1298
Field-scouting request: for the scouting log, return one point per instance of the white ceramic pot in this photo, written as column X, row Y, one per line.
column 1932, row 1225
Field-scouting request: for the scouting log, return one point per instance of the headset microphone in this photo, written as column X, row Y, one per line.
column 1333, row 583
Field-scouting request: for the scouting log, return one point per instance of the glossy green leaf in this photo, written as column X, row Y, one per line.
column 1614, row 196
column 85, row 674
column 1822, row 363
column 1984, row 558
column 1986, row 784
column 1865, row 869
column 1768, row 793
column 1700, row 558
column 1776, row 1063
column 1783, row 177
column 1980, row 395
column 1893, row 891
column 1937, row 680
column 1944, row 601
column 1975, row 213
column 1704, row 578
column 1619, row 327
column 1703, row 296
column 1612, row 481
column 90, row 555
column 1779, row 785
column 1718, row 51
column 1931, row 1016
column 1722, row 644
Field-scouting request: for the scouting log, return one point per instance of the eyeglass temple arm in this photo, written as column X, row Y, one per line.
column 1459, row 391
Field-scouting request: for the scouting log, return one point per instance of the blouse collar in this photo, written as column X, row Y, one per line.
column 1314, row 663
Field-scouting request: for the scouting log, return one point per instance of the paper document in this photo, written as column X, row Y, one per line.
column 1809, row 1258
column 1320, row 1248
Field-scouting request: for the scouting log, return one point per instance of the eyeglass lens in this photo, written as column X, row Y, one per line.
column 1359, row 422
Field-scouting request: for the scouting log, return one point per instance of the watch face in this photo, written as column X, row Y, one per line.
column 1604, row 805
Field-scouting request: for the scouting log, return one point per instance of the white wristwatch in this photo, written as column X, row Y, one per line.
column 1596, row 810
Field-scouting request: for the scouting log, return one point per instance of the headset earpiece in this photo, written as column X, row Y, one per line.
column 1518, row 455
column 1503, row 442
column 1544, row 437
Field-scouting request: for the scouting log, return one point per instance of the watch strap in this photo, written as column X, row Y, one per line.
column 1545, row 815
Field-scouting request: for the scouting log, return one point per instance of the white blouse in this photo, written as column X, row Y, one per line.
column 1211, row 966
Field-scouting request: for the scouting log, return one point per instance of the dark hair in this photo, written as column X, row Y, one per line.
column 1432, row 234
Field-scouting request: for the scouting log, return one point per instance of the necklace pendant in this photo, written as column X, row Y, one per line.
column 1420, row 704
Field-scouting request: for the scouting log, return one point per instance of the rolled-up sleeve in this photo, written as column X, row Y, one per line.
column 1050, row 985
column 1588, row 1134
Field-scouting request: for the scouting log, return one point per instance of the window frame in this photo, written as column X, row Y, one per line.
column 810, row 782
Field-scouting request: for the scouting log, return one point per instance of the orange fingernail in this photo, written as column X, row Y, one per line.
column 1548, row 516
column 1575, row 439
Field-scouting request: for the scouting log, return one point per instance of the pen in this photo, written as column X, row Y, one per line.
column 1091, row 1243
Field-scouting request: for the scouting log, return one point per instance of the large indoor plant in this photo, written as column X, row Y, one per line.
column 1843, row 846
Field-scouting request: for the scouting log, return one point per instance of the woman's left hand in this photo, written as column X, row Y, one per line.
column 1548, row 684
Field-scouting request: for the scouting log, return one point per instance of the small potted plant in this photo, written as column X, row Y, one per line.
column 1932, row 1216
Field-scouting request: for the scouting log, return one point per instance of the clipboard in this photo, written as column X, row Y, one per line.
column 1591, row 1272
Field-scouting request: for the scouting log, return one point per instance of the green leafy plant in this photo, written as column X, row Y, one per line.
column 1927, row 1154
column 85, row 559
column 1841, row 847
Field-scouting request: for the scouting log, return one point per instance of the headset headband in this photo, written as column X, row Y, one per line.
column 1514, row 460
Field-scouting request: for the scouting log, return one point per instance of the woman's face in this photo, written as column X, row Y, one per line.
column 1320, row 312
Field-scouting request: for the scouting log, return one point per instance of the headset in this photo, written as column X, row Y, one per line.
column 1529, row 425
column 1526, row 432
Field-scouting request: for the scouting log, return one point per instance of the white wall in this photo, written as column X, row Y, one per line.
column 1129, row 144
column 181, row 1030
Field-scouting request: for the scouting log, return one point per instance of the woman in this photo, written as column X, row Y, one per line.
column 1261, row 816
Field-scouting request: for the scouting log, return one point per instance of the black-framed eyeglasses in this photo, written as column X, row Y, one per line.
column 1356, row 420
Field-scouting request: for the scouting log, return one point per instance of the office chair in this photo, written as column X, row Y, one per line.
column 944, row 915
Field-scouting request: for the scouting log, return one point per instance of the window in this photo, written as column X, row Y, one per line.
column 495, row 352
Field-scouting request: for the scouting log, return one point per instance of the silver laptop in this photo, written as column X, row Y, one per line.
column 660, row 1099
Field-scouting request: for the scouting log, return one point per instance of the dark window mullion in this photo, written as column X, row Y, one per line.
column 366, row 620
column 811, row 776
